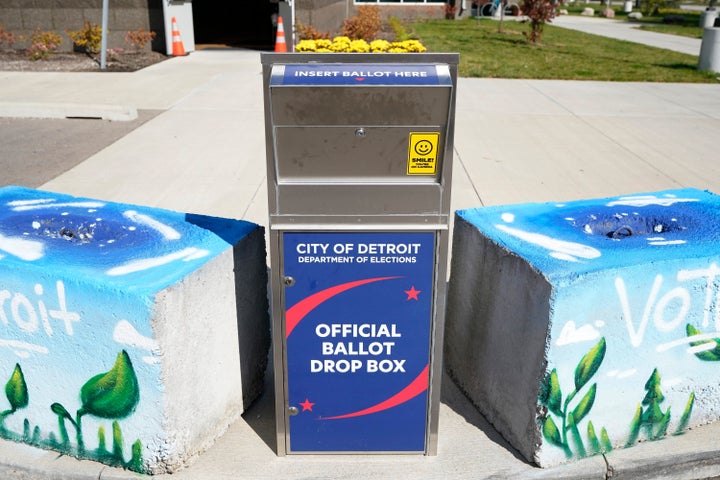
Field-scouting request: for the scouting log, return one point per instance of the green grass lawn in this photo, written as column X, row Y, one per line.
column 690, row 27
column 682, row 30
column 564, row 54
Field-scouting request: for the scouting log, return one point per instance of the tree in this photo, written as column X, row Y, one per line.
column 450, row 8
column 539, row 12
column 651, row 418
column 653, row 414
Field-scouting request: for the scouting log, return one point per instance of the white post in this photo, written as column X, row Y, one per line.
column 710, row 50
column 104, row 41
column 292, row 23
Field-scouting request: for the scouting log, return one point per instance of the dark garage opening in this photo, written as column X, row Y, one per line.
column 234, row 23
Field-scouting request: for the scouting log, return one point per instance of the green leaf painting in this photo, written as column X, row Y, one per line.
column 110, row 395
column 572, row 426
column 634, row 426
column 551, row 432
column 117, row 447
column 589, row 364
column 651, row 419
column 568, row 436
column 16, row 390
column 554, row 402
column 585, row 404
column 561, row 424
column 685, row 419
column 594, row 443
column 712, row 354
column 605, row 441
column 61, row 412
column 136, row 457
column 663, row 424
column 113, row 394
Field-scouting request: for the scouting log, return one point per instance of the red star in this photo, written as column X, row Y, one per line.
column 307, row 405
column 412, row 293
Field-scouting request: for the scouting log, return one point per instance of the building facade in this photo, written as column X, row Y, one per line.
column 246, row 23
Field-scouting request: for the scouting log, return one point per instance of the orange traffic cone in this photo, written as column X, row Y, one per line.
column 280, row 45
column 178, row 50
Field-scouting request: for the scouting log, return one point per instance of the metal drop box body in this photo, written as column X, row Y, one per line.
column 359, row 160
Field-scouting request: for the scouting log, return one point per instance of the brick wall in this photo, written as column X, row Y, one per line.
column 22, row 17
column 324, row 15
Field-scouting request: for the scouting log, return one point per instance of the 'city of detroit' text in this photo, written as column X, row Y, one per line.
column 357, row 252
column 359, row 248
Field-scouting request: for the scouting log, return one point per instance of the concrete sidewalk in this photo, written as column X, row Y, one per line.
column 629, row 31
column 515, row 141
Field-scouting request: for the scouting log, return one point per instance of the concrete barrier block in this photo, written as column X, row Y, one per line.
column 582, row 327
column 132, row 336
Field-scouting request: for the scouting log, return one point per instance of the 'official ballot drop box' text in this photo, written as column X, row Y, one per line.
column 359, row 157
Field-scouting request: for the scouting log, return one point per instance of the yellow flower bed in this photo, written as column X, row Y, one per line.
column 345, row 45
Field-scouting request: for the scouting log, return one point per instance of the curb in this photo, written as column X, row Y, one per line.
column 118, row 113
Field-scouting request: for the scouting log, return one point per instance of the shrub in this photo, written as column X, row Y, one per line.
column 449, row 11
column 114, row 53
column 651, row 7
column 7, row 37
column 308, row 32
column 42, row 44
column 398, row 28
column 539, row 12
column 137, row 39
column 365, row 25
column 89, row 38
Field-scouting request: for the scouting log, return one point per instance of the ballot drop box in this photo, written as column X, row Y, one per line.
column 359, row 160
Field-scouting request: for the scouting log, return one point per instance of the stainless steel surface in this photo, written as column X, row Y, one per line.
column 337, row 154
column 339, row 159
column 349, row 199
column 375, row 105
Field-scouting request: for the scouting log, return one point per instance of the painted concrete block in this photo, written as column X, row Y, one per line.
column 132, row 336
column 581, row 327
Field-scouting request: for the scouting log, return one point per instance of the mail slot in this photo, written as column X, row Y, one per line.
column 359, row 159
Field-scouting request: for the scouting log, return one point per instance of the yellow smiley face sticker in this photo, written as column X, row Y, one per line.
column 423, row 153
column 423, row 147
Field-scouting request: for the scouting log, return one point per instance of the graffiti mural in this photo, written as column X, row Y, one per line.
column 111, row 395
column 649, row 418
column 633, row 337
column 79, row 283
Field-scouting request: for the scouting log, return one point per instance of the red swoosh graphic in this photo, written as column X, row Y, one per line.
column 415, row 388
column 297, row 312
